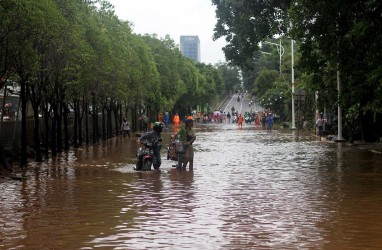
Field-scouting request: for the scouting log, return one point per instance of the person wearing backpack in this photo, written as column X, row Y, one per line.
column 320, row 125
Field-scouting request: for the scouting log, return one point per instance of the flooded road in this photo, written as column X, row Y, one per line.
column 249, row 190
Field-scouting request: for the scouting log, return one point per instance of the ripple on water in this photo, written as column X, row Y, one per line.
column 249, row 190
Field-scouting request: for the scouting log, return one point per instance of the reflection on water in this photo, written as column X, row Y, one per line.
column 249, row 190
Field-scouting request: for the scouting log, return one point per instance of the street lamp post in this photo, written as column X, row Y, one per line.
column 280, row 50
column 339, row 111
column 293, row 114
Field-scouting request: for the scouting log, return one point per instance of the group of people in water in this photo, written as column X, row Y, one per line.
column 265, row 119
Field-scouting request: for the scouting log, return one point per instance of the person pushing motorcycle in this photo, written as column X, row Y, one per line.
column 191, row 137
column 153, row 136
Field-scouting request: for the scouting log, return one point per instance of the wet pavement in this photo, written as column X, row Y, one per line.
column 250, row 189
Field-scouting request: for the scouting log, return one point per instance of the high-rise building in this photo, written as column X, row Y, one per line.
column 190, row 47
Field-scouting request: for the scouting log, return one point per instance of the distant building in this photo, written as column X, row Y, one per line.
column 190, row 47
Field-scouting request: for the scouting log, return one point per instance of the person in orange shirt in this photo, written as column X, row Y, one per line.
column 240, row 120
column 257, row 122
column 176, row 120
column 160, row 117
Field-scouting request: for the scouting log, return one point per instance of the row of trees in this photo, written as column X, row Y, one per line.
column 339, row 42
column 77, row 55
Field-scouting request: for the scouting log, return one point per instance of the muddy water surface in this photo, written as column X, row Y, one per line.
column 249, row 190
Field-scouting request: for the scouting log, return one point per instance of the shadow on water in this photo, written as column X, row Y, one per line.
column 250, row 189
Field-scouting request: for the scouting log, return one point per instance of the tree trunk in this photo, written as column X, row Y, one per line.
column 59, row 128
column 75, row 125
column 108, row 122
column 53, row 134
column 66, row 129
column 23, row 96
column 95, row 120
column 35, row 101
column 36, row 135
column 79, row 121
column 117, row 118
column 103, row 123
column 86, row 112
column 47, row 132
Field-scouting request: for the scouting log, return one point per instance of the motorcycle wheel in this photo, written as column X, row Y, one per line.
column 146, row 166
column 136, row 167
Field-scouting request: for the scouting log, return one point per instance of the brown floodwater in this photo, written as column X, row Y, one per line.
column 249, row 190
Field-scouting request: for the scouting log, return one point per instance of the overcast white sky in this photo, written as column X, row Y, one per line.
column 175, row 18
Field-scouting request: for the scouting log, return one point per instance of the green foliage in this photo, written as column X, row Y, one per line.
column 339, row 36
column 277, row 99
column 265, row 81
column 244, row 24
column 347, row 39
column 352, row 120
column 169, row 62
column 182, row 134
column 71, row 51
column 231, row 77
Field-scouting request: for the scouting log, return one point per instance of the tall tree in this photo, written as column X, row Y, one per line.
column 230, row 76
column 246, row 23
column 344, row 36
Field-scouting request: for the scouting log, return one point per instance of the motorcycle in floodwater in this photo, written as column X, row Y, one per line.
column 176, row 151
column 145, row 155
